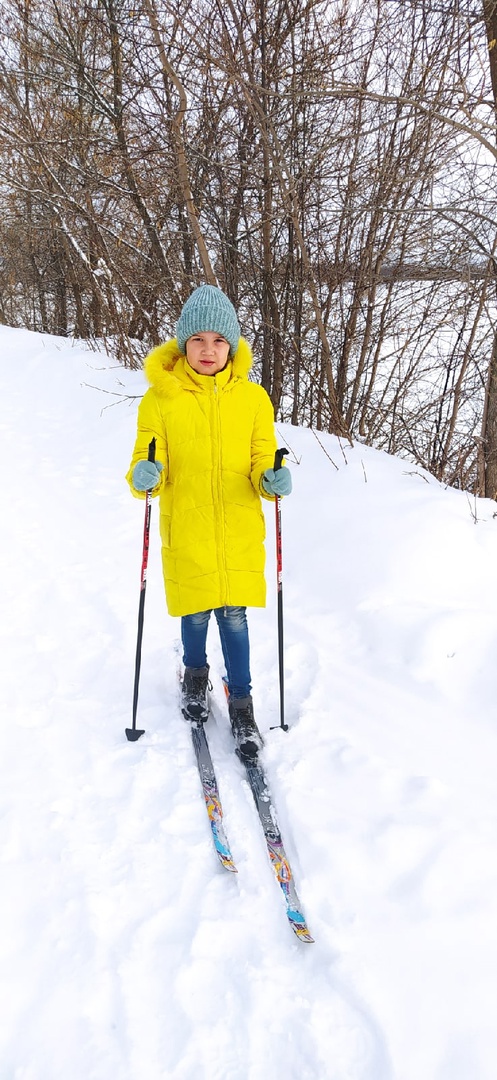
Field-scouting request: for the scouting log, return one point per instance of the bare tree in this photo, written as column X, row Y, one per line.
column 332, row 167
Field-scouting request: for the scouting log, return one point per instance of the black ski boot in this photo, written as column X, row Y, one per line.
column 194, row 703
column 245, row 731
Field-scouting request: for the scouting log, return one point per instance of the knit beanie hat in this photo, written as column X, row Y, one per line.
column 208, row 309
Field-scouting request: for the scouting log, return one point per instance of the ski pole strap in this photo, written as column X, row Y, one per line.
column 151, row 449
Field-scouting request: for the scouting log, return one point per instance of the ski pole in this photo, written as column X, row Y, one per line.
column 278, row 457
column 133, row 733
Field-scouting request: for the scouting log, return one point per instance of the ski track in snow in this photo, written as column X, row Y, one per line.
column 127, row 951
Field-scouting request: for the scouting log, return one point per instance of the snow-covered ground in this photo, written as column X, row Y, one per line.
column 127, row 953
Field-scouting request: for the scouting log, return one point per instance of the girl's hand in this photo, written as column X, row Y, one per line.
column 277, row 483
column 146, row 475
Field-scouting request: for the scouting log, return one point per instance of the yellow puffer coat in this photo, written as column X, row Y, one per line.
column 215, row 438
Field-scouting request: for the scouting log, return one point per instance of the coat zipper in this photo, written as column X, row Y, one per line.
column 220, row 516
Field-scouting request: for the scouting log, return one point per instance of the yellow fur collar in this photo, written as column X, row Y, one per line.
column 160, row 362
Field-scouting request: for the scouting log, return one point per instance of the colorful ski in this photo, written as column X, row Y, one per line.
column 277, row 854
column 211, row 795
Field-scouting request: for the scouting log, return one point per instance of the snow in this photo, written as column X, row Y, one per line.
column 127, row 952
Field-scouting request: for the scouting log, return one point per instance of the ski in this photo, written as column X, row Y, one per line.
column 267, row 815
column 208, row 782
column 211, row 795
column 277, row 854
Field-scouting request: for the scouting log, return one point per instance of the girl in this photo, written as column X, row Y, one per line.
column 215, row 447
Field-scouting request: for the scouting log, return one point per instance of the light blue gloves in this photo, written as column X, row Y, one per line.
column 277, row 483
column 146, row 475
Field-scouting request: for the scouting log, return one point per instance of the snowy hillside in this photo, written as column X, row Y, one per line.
column 127, row 952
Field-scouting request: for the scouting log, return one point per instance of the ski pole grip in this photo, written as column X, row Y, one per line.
column 151, row 450
column 278, row 458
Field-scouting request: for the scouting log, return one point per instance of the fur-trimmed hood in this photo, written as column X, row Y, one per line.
column 166, row 366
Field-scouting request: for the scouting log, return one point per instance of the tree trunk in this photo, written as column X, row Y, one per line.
column 490, row 427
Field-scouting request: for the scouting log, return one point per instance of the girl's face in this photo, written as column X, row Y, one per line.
column 207, row 352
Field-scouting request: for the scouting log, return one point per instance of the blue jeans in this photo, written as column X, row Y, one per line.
column 233, row 632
